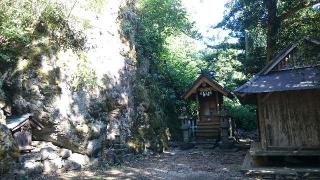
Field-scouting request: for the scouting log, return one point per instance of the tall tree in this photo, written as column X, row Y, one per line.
column 273, row 25
column 270, row 16
column 275, row 20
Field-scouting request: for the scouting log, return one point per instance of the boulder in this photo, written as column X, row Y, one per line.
column 48, row 153
column 9, row 151
column 65, row 153
column 49, row 166
column 97, row 128
column 2, row 117
column 63, row 133
column 94, row 147
column 110, row 157
column 33, row 156
column 95, row 162
column 71, row 165
column 2, row 103
column 82, row 160
column 33, row 167
column 59, row 163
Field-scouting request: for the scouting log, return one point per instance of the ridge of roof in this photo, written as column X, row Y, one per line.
column 283, row 53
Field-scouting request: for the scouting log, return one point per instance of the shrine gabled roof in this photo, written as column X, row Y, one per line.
column 298, row 78
column 203, row 78
column 15, row 122
column 269, row 80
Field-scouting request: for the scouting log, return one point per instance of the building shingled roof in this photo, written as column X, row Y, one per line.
column 300, row 78
column 285, row 80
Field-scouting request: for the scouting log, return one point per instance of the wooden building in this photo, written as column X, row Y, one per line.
column 21, row 128
column 287, row 94
column 209, row 96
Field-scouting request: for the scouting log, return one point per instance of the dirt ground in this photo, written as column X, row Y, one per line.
column 196, row 163
column 200, row 162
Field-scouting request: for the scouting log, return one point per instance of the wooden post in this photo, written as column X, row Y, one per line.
column 217, row 101
column 198, row 104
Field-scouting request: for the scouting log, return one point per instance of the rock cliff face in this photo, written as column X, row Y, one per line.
column 9, row 151
column 83, row 99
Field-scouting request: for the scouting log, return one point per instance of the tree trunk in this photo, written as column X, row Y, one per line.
column 273, row 26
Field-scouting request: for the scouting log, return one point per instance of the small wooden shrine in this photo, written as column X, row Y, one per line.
column 209, row 96
column 287, row 95
column 21, row 128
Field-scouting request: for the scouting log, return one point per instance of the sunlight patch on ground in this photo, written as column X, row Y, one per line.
column 169, row 152
column 115, row 172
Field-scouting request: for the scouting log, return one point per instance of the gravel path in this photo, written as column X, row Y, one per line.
column 197, row 163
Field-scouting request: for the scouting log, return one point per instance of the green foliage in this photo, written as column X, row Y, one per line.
column 14, row 24
column 85, row 77
column 227, row 67
column 147, row 25
column 169, row 60
column 302, row 24
column 54, row 23
column 163, row 18
column 229, row 72
column 96, row 5
column 243, row 115
column 183, row 62
column 27, row 24
column 247, row 21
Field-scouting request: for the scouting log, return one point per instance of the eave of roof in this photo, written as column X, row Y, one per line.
column 13, row 122
column 16, row 122
column 285, row 80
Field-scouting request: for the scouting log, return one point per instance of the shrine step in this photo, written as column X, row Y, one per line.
column 208, row 123
column 208, row 130
column 207, row 134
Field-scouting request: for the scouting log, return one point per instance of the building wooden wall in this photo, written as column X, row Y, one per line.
column 290, row 120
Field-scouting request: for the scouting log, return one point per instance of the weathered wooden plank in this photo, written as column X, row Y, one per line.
column 290, row 119
column 286, row 173
column 257, row 150
column 262, row 116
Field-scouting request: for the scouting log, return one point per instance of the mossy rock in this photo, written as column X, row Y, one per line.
column 9, row 150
